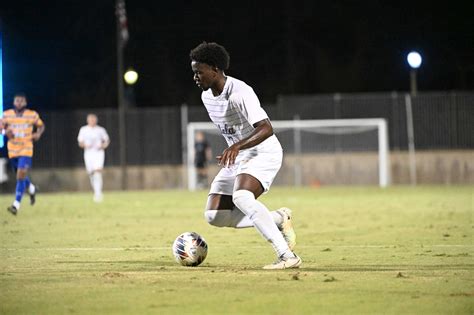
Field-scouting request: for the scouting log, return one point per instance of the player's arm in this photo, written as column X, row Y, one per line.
column 105, row 143
column 5, row 129
column 80, row 139
column 39, row 129
column 263, row 130
column 105, row 140
column 3, row 126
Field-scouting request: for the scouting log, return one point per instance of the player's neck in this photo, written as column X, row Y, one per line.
column 19, row 111
column 219, row 86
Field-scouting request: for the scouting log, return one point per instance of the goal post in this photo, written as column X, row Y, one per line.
column 310, row 138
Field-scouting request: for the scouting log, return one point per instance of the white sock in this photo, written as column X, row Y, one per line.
column 228, row 218
column 91, row 179
column 16, row 204
column 235, row 218
column 262, row 221
column 97, row 183
column 277, row 217
column 31, row 189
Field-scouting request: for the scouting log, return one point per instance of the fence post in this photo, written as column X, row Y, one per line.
column 184, row 146
column 453, row 111
column 337, row 115
column 297, row 148
column 411, row 139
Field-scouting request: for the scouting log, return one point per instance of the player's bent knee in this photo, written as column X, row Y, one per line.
column 216, row 217
column 210, row 216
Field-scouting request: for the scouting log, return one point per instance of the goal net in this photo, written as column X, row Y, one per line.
column 315, row 152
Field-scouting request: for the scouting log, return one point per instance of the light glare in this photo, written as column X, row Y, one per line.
column 414, row 59
column 130, row 77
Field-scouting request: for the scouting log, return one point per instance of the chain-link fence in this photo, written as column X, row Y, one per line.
column 442, row 120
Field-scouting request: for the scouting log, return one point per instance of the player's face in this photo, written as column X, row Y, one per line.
column 92, row 120
column 19, row 102
column 199, row 136
column 204, row 75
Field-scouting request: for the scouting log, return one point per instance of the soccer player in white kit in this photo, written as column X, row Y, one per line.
column 251, row 161
column 94, row 140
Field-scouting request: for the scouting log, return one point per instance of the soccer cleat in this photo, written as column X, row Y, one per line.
column 286, row 227
column 33, row 196
column 285, row 263
column 12, row 209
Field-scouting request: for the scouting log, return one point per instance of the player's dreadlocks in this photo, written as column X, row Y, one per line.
column 212, row 54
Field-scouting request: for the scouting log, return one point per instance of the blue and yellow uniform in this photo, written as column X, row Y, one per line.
column 19, row 127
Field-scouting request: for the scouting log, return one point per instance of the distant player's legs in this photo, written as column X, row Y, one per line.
column 201, row 170
column 96, row 183
column 30, row 188
column 20, row 186
column 21, row 164
column 201, row 177
column 94, row 162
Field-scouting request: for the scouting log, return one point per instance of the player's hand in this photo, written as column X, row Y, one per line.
column 35, row 136
column 9, row 133
column 228, row 156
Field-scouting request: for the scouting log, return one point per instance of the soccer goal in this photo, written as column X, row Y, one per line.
column 316, row 152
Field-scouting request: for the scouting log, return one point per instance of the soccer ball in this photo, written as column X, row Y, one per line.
column 190, row 249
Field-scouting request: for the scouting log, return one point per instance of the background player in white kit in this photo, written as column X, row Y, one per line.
column 94, row 140
column 251, row 161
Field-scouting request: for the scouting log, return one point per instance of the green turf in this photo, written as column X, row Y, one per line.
column 400, row 250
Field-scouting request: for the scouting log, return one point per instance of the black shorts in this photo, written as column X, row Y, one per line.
column 200, row 164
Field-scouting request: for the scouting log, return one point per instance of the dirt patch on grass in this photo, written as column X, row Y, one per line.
column 114, row 275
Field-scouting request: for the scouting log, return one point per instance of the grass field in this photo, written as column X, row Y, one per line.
column 400, row 250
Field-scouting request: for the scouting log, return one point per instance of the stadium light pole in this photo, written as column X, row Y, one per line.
column 414, row 60
column 130, row 77
column 122, row 39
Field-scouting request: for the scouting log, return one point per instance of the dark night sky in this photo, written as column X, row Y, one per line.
column 62, row 53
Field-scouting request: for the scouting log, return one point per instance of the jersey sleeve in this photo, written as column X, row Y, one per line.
column 249, row 104
column 5, row 119
column 37, row 120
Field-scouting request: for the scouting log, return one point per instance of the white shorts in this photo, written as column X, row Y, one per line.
column 263, row 166
column 94, row 160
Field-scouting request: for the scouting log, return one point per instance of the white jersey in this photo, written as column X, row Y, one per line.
column 93, row 138
column 235, row 111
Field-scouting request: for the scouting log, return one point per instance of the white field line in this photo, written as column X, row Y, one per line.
column 72, row 249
